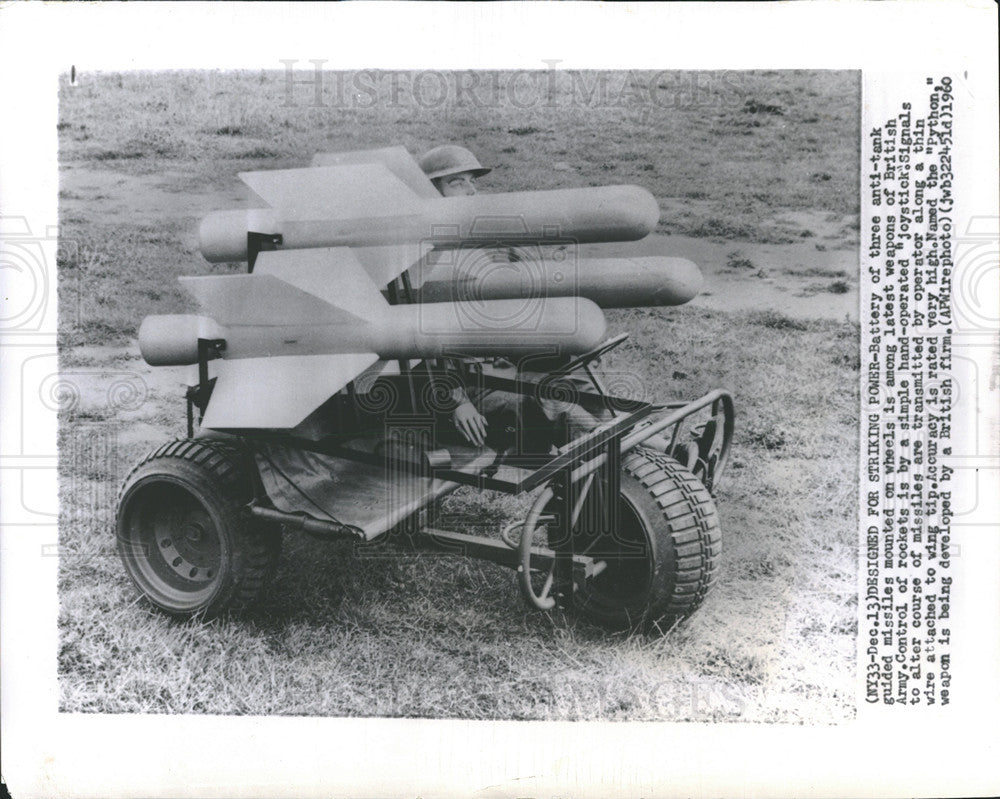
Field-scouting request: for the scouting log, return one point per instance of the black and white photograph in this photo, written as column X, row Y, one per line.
column 465, row 297
column 501, row 425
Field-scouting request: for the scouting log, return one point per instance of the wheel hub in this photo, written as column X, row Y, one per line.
column 192, row 552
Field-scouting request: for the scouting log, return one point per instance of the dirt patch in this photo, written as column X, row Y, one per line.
column 145, row 200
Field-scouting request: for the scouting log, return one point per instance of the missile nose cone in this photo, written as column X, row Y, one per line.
column 592, row 327
column 682, row 281
column 638, row 207
column 615, row 213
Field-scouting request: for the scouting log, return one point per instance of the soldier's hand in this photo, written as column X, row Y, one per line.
column 470, row 423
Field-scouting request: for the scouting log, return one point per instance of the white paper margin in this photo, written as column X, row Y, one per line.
column 48, row 754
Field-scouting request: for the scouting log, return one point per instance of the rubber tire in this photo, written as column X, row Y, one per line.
column 206, row 484
column 671, row 518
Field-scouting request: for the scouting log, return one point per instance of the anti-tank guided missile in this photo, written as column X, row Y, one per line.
column 477, row 275
column 380, row 203
column 294, row 336
column 494, row 274
column 352, row 205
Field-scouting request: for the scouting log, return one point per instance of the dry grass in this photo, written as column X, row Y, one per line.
column 708, row 136
column 346, row 634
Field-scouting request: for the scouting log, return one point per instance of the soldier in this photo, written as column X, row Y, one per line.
column 453, row 170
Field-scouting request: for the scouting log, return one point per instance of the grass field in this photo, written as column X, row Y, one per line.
column 754, row 164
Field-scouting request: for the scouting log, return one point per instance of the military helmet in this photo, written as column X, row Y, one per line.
column 450, row 159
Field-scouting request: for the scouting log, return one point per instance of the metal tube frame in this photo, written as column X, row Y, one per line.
column 578, row 461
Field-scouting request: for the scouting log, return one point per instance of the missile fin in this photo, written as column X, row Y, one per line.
column 396, row 159
column 333, row 274
column 278, row 392
column 382, row 264
column 262, row 301
column 349, row 191
column 386, row 263
column 364, row 381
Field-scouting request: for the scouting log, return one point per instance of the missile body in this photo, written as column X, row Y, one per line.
column 609, row 282
column 608, row 213
column 426, row 330
column 271, row 377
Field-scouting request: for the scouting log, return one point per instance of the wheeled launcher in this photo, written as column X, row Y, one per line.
column 622, row 527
